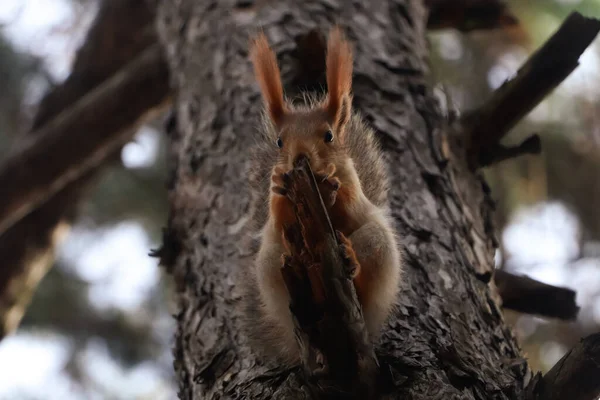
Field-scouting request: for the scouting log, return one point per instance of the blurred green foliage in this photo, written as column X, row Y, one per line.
column 62, row 304
column 568, row 170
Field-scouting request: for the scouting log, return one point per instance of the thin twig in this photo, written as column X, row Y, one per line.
column 323, row 209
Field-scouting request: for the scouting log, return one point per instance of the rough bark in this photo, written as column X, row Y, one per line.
column 448, row 339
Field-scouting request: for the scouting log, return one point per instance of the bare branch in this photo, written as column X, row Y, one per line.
column 83, row 136
column 543, row 72
column 576, row 376
column 469, row 15
column 336, row 351
column 121, row 31
column 526, row 295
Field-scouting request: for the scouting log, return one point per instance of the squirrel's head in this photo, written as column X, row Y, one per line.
column 318, row 132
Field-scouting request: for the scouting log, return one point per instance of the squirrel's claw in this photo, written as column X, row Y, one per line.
column 329, row 189
column 280, row 178
column 330, row 170
column 280, row 182
column 328, row 184
column 279, row 190
column 327, row 172
column 334, row 183
column 348, row 255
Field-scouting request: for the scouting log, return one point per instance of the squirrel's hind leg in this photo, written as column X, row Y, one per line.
column 377, row 283
column 275, row 300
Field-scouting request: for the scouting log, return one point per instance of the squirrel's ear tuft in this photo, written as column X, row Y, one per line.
column 343, row 116
column 268, row 76
column 339, row 77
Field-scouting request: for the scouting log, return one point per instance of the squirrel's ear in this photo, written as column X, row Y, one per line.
column 343, row 116
column 339, row 77
column 268, row 76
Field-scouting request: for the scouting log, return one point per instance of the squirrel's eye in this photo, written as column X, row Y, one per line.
column 328, row 136
column 279, row 142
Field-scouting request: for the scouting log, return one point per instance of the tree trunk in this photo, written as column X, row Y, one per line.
column 448, row 339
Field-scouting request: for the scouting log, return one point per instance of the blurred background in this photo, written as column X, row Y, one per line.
column 99, row 325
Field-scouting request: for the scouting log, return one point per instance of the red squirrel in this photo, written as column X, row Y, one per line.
column 343, row 151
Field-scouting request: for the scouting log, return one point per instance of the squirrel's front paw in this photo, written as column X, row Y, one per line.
column 328, row 184
column 348, row 255
column 280, row 181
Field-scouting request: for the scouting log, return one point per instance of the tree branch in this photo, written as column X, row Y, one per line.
column 526, row 295
column 531, row 145
column 469, row 15
column 121, row 31
column 331, row 332
column 543, row 72
column 576, row 376
column 83, row 136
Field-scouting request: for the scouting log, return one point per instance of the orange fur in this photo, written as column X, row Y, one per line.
column 339, row 72
column 282, row 211
column 340, row 218
column 353, row 174
column 268, row 76
column 361, row 281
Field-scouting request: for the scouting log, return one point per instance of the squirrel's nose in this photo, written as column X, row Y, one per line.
column 300, row 158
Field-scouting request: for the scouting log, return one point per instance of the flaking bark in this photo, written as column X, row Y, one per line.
column 448, row 338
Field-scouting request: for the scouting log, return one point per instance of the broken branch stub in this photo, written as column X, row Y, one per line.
column 576, row 376
column 336, row 352
column 528, row 296
column 498, row 153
